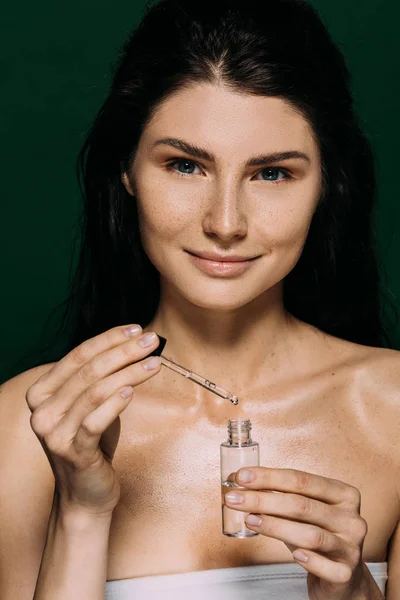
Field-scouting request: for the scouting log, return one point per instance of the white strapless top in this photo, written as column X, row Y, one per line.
column 260, row 582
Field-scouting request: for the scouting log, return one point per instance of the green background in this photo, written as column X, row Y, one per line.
column 55, row 70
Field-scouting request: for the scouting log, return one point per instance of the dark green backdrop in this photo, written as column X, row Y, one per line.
column 55, row 69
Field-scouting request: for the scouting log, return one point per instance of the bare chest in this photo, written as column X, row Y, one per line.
column 168, row 519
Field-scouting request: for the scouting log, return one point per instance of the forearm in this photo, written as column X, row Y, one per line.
column 75, row 557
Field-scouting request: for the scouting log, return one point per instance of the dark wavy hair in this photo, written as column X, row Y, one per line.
column 275, row 48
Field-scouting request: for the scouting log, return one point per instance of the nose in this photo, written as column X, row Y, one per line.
column 225, row 216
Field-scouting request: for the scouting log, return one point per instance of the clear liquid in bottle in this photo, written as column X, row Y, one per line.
column 237, row 452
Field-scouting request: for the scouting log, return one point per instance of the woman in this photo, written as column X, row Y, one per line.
column 229, row 194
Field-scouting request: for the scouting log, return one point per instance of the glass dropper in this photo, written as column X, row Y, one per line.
column 206, row 383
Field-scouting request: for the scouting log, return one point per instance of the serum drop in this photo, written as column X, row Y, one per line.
column 237, row 452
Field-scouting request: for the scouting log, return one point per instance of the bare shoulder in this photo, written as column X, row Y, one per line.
column 377, row 369
column 17, row 435
column 27, row 489
column 366, row 364
column 372, row 378
column 12, row 393
column 378, row 375
column 369, row 378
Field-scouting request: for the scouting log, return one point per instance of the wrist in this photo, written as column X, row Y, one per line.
column 76, row 518
column 71, row 512
column 81, row 520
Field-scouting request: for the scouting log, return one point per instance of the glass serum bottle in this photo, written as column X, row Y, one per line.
column 237, row 452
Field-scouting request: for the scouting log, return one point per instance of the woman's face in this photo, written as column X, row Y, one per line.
column 210, row 198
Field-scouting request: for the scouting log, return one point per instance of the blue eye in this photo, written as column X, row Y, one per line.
column 189, row 165
column 182, row 161
column 276, row 171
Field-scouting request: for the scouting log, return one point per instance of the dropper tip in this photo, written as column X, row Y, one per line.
column 234, row 400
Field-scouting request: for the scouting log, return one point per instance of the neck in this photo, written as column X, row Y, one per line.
column 236, row 349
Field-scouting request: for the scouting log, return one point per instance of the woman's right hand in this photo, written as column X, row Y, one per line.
column 75, row 415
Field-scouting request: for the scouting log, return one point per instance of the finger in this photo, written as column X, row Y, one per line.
column 93, row 398
column 334, row 575
column 91, row 375
column 301, row 535
column 99, row 420
column 293, row 507
column 332, row 491
column 62, row 370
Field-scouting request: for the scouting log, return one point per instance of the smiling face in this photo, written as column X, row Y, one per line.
column 218, row 195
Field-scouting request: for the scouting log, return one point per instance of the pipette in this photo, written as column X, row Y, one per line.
column 199, row 379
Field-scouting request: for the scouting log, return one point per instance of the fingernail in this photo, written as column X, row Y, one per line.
column 234, row 498
column 126, row 391
column 147, row 340
column 299, row 555
column 152, row 363
column 253, row 520
column 246, row 475
column 132, row 330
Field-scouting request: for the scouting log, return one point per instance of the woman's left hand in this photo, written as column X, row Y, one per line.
column 318, row 516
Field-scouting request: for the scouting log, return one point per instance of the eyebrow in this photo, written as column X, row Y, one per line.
column 254, row 161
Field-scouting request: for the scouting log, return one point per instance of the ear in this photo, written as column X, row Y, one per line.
column 127, row 183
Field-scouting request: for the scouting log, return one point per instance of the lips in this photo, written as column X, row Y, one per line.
column 221, row 258
column 221, row 268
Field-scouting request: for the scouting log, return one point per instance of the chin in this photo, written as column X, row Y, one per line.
column 228, row 297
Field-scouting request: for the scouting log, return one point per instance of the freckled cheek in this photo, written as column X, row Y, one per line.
column 164, row 217
column 287, row 227
column 284, row 242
